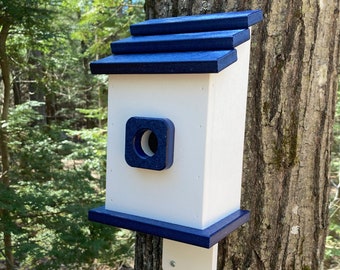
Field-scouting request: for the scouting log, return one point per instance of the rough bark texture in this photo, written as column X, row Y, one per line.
column 148, row 251
column 290, row 113
column 292, row 93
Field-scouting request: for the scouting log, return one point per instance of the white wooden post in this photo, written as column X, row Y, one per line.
column 180, row 256
column 176, row 121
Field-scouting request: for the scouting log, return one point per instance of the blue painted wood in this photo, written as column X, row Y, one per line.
column 198, row 23
column 164, row 131
column 160, row 63
column 202, row 41
column 189, row 44
column 204, row 238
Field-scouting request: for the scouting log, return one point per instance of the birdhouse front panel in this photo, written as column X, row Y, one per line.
column 176, row 120
column 171, row 194
column 202, row 185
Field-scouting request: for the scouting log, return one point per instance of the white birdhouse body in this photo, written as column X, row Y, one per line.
column 176, row 123
column 208, row 111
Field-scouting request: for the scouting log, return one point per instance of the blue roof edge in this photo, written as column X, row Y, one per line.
column 189, row 24
column 165, row 63
column 202, row 41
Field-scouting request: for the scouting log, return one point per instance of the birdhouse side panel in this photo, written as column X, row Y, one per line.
column 175, row 194
column 225, row 138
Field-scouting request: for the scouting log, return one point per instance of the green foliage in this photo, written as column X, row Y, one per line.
column 90, row 150
column 98, row 113
column 56, row 179
column 29, row 13
column 103, row 21
column 50, row 51
column 57, row 135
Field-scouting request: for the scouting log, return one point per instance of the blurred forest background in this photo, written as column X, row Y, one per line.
column 53, row 136
column 54, row 132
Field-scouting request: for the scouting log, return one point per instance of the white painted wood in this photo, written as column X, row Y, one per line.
column 225, row 139
column 208, row 111
column 180, row 256
column 172, row 194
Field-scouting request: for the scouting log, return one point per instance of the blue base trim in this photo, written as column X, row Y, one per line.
column 204, row 238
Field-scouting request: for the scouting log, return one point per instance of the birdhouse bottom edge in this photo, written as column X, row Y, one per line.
column 205, row 238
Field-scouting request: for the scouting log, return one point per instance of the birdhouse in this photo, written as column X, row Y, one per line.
column 176, row 122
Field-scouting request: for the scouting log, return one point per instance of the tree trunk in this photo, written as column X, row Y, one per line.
column 292, row 94
column 35, row 87
column 17, row 99
column 148, row 252
column 5, row 182
column 290, row 114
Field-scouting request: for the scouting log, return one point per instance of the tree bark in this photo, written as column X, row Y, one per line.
column 290, row 114
column 5, row 181
column 148, row 252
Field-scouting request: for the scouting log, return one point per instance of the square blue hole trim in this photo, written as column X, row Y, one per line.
column 149, row 143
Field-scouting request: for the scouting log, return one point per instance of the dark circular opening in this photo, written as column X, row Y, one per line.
column 146, row 143
column 153, row 142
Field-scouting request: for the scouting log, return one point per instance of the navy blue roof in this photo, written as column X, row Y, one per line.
column 202, row 41
column 190, row 44
column 198, row 23
column 162, row 63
